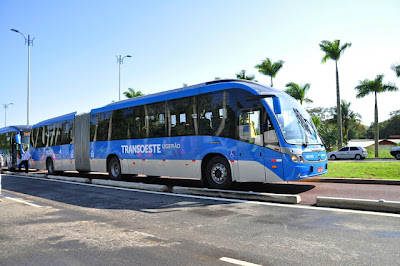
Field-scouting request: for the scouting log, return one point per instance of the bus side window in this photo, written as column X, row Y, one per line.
column 101, row 128
column 156, row 120
column 270, row 136
column 250, row 127
column 217, row 114
column 138, row 129
column 181, row 121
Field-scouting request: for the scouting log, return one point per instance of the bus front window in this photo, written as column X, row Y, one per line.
column 296, row 124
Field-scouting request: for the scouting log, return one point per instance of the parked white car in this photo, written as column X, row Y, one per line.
column 395, row 152
column 352, row 152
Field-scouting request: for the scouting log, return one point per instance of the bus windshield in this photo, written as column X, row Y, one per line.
column 296, row 124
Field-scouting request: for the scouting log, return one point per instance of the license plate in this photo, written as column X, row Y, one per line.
column 320, row 169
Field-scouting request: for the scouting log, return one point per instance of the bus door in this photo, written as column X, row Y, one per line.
column 15, row 151
column 272, row 154
column 250, row 148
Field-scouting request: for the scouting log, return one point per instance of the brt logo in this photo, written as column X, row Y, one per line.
column 148, row 148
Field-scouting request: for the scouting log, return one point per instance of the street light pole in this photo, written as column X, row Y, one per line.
column 120, row 61
column 5, row 112
column 28, row 41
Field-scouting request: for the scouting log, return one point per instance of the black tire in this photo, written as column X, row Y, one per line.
column 50, row 167
column 397, row 156
column 114, row 169
column 358, row 157
column 333, row 157
column 218, row 173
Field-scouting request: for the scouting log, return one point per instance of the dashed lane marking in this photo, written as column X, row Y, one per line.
column 24, row 202
column 238, row 262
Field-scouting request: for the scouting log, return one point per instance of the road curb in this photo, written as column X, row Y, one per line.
column 265, row 197
column 72, row 179
column 353, row 181
column 141, row 186
column 359, row 204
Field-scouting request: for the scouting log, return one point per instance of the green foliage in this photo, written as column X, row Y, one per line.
column 384, row 151
column 269, row 69
column 390, row 127
column 298, row 91
column 131, row 93
column 394, row 113
column 325, row 121
column 349, row 119
column 367, row 170
column 374, row 86
column 242, row 75
column 396, row 68
column 332, row 50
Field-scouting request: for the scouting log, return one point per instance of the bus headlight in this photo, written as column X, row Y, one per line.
column 294, row 158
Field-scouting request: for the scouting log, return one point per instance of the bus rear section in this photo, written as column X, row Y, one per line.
column 13, row 141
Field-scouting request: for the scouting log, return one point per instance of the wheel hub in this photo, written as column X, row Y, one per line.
column 219, row 173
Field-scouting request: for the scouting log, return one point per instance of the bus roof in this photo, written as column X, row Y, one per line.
column 55, row 120
column 253, row 87
column 14, row 129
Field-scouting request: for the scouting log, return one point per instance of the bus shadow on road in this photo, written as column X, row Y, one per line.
column 292, row 189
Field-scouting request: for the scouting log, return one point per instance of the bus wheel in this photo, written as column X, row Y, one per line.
column 219, row 173
column 50, row 167
column 114, row 169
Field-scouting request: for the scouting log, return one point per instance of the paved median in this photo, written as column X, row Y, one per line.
column 359, row 204
column 230, row 194
column 344, row 203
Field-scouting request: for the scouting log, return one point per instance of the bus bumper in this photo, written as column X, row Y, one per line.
column 301, row 171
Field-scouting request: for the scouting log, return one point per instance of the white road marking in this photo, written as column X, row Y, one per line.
column 238, row 262
column 24, row 202
column 229, row 200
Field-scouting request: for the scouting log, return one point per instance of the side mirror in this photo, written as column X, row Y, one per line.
column 277, row 105
column 18, row 139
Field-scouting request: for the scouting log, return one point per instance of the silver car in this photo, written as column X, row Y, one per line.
column 353, row 152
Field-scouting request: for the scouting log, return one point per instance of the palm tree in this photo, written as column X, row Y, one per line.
column 349, row 117
column 396, row 69
column 269, row 69
column 333, row 51
column 242, row 75
column 131, row 93
column 298, row 91
column 374, row 86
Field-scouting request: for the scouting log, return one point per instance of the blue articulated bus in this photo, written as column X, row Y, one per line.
column 13, row 141
column 220, row 132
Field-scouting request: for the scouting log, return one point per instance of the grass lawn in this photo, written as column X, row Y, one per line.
column 366, row 170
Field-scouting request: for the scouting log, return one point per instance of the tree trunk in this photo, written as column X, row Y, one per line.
column 271, row 82
column 376, row 128
column 339, row 112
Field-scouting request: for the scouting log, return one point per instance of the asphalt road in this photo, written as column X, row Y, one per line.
column 46, row 222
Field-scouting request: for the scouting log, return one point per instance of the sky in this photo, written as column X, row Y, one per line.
column 73, row 64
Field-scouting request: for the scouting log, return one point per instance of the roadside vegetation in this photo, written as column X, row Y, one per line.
column 338, row 124
column 364, row 170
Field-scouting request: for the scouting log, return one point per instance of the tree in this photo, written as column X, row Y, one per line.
column 269, row 69
column 131, row 93
column 326, row 132
column 242, row 75
column 298, row 91
column 396, row 68
column 374, row 86
column 333, row 50
column 349, row 118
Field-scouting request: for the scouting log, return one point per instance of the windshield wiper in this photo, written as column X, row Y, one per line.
column 304, row 125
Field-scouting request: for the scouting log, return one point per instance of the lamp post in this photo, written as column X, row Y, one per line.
column 5, row 112
column 28, row 41
column 120, row 61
